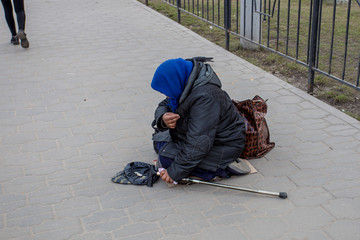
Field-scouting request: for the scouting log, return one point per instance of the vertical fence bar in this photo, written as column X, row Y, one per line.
column 319, row 35
column 358, row 75
column 229, row 19
column 346, row 39
column 332, row 37
column 278, row 28
column 197, row 8
column 219, row 12
column 268, row 27
column 147, row 2
column 298, row 31
column 237, row 16
column 213, row 11
column 287, row 28
column 309, row 32
column 252, row 20
column 227, row 22
column 314, row 30
column 207, row 10
column 244, row 26
column 178, row 3
column 260, row 22
column 202, row 8
column 264, row 10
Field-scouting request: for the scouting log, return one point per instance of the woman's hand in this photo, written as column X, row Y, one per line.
column 165, row 176
column 170, row 119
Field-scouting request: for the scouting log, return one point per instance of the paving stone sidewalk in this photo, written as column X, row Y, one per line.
column 76, row 107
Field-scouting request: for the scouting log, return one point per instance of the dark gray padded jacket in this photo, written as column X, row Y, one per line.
column 210, row 133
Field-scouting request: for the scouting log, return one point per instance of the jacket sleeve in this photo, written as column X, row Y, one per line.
column 161, row 110
column 203, row 121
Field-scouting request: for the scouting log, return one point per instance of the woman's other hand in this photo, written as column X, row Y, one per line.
column 170, row 119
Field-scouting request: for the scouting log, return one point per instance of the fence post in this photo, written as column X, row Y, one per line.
column 250, row 21
column 147, row 2
column 313, row 45
column 178, row 3
column 227, row 22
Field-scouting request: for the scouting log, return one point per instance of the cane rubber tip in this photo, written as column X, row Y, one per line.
column 283, row 195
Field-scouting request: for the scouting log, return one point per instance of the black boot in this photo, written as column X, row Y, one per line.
column 14, row 40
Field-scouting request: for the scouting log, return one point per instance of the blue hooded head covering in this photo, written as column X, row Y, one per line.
column 170, row 79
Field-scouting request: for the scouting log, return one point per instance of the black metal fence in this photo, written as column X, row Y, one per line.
column 322, row 35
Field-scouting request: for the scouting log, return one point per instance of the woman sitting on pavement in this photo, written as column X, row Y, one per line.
column 206, row 133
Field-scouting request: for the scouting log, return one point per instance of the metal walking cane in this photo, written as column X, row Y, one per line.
column 277, row 194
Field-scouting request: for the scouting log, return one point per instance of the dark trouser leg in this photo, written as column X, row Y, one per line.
column 9, row 15
column 201, row 173
column 20, row 13
column 165, row 161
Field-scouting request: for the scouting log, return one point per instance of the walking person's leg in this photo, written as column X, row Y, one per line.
column 21, row 18
column 8, row 10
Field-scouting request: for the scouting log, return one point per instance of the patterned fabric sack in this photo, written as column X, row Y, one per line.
column 257, row 132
